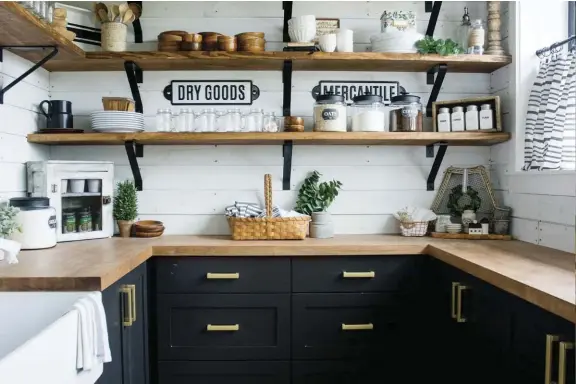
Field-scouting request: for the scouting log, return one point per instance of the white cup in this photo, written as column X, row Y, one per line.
column 64, row 186
column 327, row 42
column 77, row 185
column 94, row 185
column 345, row 40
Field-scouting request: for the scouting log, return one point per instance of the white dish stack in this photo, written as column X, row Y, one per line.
column 302, row 29
column 117, row 121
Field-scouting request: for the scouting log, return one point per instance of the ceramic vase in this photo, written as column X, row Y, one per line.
column 321, row 226
column 125, row 227
column 468, row 216
column 9, row 249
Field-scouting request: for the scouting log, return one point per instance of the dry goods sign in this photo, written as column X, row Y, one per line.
column 351, row 89
column 211, row 92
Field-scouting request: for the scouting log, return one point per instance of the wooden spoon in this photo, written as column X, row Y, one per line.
column 115, row 13
column 122, row 10
column 103, row 7
column 103, row 16
column 128, row 17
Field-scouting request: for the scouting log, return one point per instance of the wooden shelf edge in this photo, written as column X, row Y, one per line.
column 249, row 138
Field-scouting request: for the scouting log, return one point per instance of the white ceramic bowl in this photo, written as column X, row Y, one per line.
column 302, row 35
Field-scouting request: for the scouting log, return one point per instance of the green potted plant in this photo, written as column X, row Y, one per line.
column 314, row 198
column 125, row 206
column 8, row 225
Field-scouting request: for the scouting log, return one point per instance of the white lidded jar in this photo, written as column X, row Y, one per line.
column 330, row 113
column 472, row 123
column 37, row 221
column 368, row 114
column 486, row 117
column 443, row 120
column 457, row 119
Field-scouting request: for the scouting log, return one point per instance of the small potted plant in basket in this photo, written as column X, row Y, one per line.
column 314, row 198
column 8, row 225
column 125, row 207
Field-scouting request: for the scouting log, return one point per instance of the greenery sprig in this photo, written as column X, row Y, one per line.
column 429, row 45
column 7, row 223
column 314, row 196
column 125, row 201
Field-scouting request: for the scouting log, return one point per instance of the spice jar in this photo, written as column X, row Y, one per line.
column 68, row 222
column 368, row 114
column 84, row 220
column 330, row 113
column 406, row 114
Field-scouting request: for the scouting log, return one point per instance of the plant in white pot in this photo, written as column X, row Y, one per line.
column 314, row 198
column 9, row 249
column 125, row 206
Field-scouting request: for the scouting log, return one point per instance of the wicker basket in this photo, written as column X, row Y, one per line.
column 268, row 228
column 415, row 228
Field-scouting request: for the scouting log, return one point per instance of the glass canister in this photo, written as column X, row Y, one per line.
column 163, row 120
column 406, row 114
column 68, row 222
column 368, row 114
column 330, row 113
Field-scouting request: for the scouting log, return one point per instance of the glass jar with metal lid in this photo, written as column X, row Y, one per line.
column 330, row 113
column 406, row 114
column 368, row 114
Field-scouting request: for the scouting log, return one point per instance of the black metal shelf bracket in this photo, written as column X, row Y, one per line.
column 442, row 146
column 440, row 71
column 287, row 7
column 135, row 150
column 135, row 77
column 31, row 69
column 287, row 90
column 434, row 8
column 136, row 23
column 287, row 171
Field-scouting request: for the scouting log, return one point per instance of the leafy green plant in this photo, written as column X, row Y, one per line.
column 125, row 201
column 440, row 46
column 7, row 223
column 458, row 201
column 316, row 197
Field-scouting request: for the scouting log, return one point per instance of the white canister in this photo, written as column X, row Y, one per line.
column 368, row 114
column 94, row 185
column 77, row 185
column 114, row 37
column 472, row 123
column 64, row 186
column 37, row 221
column 330, row 113
column 443, row 121
column 457, row 119
column 441, row 222
column 327, row 42
column 345, row 40
column 486, row 121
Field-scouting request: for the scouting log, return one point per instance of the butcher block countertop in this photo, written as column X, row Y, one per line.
column 542, row 276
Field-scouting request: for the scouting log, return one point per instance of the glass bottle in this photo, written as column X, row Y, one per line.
column 235, row 120
column 476, row 38
column 163, row 120
column 464, row 30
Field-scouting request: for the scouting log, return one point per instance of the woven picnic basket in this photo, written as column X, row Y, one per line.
column 268, row 228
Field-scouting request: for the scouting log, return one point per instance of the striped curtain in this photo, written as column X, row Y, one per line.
column 550, row 139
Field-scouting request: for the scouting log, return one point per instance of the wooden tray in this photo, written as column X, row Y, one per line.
column 465, row 236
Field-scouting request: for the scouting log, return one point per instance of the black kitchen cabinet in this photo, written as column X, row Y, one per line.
column 224, row 372
column 125, row 303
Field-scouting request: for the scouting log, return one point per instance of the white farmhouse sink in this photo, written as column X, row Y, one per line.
column 38, row 334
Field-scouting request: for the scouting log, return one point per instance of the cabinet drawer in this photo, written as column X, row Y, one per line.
column 353, row 274
column 341, row 372
column 224, row 372
column 223, row 327
column 345, row 325
column 223, row 275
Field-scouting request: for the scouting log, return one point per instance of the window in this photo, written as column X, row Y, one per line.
column 571, row 18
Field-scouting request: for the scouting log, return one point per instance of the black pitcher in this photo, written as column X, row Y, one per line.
column 58, row 113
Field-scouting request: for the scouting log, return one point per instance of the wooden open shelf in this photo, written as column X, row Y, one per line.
column 20, row 27
column 318, row 61
column 257, row 138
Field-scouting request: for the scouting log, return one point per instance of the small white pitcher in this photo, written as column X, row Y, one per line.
column 9, row 249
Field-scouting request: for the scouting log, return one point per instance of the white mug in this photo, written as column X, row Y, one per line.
column 327, row 42
column 345, row 41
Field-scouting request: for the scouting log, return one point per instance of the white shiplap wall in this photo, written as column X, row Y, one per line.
column 18, row 117
column 543, row 204
column 187, row 187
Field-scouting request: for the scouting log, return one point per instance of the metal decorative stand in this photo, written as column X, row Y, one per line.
column 494, row 34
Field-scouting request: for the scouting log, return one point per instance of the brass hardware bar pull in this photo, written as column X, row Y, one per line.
column 222, row 276
column 564, row 346
column 359, row 275
column 459, row 317
column 357, row 327
column 223, row 328
column 453, row 301
column 133, row 289
column 548, row 363
column 127, row 320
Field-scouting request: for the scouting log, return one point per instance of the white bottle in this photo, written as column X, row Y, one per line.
column 457, row 119
column 472, row 123
column 486, row 117
column 443, row 120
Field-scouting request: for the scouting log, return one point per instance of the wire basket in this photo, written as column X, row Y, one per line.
column 414, row 228
column 268, row 228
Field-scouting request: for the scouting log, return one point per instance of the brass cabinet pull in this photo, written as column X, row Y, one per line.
column 222, row 276
column 359, row 275
column 564, row 346
column 357, row 327
column 133, row 288
column 127, row 320
column 548, row 362
column 223, row 328
column 459, row 317
column 453, row 307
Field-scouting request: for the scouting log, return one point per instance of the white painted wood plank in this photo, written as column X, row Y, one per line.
column 18, row 121
column 553, row 209
column 15, row 66
column 557, row 236
column 23, row 95
column 15, row 149
column 13, row 177
column 525, row 230
column 543, row 184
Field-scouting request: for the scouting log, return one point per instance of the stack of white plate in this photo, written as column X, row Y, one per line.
column 453, row 228
column 397, row 42
column 117, row 121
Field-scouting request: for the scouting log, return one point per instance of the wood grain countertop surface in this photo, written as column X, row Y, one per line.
column 542, row 276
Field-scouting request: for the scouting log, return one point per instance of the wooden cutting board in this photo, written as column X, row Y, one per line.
column 465, row 236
